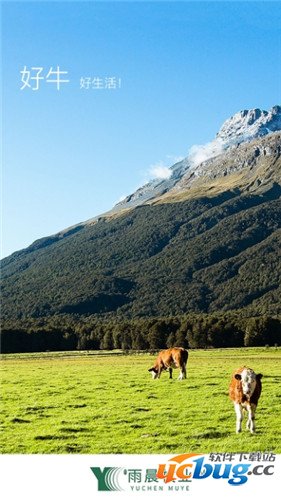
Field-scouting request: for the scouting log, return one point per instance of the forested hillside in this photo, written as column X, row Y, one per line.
column 203, row 255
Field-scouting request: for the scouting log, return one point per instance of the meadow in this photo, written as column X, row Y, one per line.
column 106, row 402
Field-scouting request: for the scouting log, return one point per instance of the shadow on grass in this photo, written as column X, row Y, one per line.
column 77, row 406
column 31, row 409
column 73, row 449
column 154, row 434
column 73, row 429
column 20, row 421
column 49, row 437
column 210, row 435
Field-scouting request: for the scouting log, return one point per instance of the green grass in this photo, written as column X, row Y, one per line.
column 106, row 403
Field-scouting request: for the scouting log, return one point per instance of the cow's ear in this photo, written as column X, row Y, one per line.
column 151, row 369
column 237, row 376
column 259, row 376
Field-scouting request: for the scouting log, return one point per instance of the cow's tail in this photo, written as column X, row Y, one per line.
column 184, row 356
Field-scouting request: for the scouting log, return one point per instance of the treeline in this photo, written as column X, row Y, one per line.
column 194, row 331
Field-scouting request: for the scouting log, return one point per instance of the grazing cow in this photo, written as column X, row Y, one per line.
column 244, row 391
column 176, row 357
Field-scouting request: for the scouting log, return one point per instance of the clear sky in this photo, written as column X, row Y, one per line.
column 184, row 67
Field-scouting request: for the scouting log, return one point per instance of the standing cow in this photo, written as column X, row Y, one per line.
column 244, row 391
column 176, row 357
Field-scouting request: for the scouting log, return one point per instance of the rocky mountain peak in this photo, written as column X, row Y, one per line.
column 249, row 124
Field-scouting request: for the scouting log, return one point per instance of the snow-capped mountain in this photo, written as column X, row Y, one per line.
column 250, row 124
column 243, row 127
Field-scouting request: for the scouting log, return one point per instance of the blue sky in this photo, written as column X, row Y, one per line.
column 185, row 67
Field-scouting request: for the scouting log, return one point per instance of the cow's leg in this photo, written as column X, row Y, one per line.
column 251, row 418
column 171, row 373
column 184, row 370
column 239, row 416
column 182, row 373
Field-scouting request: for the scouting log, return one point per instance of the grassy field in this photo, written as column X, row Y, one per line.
column 108, row 403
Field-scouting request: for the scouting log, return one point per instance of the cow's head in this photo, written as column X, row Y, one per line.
column 154, row 372
column 249, row 380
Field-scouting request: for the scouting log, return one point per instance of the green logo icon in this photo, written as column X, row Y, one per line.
column 107, row 478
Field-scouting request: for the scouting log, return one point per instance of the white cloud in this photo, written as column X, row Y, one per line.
column 202, row 152
column 160, row 171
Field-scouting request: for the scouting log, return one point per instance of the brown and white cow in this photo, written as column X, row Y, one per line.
column 244, row 391
column 176, row 357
